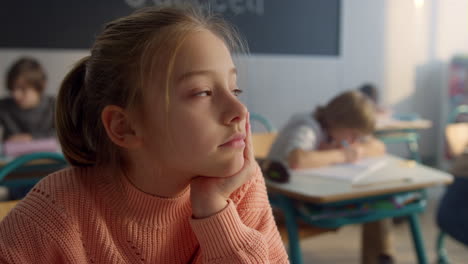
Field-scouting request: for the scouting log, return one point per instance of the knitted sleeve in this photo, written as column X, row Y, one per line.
column 35, row 232
column 244, row 231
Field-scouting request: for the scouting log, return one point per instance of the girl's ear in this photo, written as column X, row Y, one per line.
column 119, row 127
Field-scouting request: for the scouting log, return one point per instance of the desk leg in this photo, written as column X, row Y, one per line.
column 293, row 232
column 413, row 147
column 442, row 257
column 417, row 238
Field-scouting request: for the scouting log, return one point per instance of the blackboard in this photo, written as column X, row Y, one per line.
column 302, row 27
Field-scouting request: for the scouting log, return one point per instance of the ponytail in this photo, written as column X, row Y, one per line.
column 69, row 117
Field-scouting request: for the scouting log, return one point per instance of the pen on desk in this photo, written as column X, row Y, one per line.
column 345, row 144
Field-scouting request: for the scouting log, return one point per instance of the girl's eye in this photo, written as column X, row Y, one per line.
column 237, row 92
column 204, row 93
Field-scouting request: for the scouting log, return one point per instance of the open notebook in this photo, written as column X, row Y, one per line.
column 350, row 172
column 14, row 149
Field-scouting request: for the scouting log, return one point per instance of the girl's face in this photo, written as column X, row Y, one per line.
column 203, row 131
column 24, row 94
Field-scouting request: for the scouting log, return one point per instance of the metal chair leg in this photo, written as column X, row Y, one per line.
column 442, row 257
column 293, row 232
column 417, row 239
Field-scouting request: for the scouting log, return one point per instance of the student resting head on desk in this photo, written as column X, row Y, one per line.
column 371, row 91
column 28, row 113
column 339, row 132
column 160, row 146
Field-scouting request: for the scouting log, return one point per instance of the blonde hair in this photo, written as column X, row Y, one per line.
column 348, row 110
column 120, row 66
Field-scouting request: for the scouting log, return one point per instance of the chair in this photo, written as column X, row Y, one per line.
column 410, row 138
column 28, row 164
column 257, row 118
column 407, row 136
column 262, row 143
column 28, row 168
column 456, row 138
column 461, row 109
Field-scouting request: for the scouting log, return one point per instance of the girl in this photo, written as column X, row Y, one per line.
column 339, row 132
column 160, row 148
column 28, row 113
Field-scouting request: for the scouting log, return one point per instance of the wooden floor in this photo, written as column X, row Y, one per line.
column 343, row 246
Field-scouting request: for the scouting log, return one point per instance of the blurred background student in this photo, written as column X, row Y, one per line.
column 339, row 132
column 27, row 113
column 372, row 92
column 26, row 117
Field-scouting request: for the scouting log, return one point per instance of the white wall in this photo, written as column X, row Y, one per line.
column 362, row 43
column 406, row 52
column 420, row 40
column 278, row 86
column 452, row 28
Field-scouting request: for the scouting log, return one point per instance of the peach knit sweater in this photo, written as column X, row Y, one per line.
column 83, row 215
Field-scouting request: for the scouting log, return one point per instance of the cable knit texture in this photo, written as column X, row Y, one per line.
column 85, row 215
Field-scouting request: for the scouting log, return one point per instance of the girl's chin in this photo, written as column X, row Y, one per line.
column 225, row 170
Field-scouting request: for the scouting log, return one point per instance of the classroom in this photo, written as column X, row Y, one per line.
column 234, row 131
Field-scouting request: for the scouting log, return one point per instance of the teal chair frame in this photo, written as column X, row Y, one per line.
column 408, row 136
column 262, row 120
column 20, row 164
column 442, row 256
column 461, row 109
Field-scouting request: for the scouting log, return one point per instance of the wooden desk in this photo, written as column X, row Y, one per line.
column 320, row 190
column 387, row 125
column 316, row 190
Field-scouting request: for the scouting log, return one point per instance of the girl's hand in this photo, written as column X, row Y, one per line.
column 20, row 138
column 209, row 195
column 353, row 153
